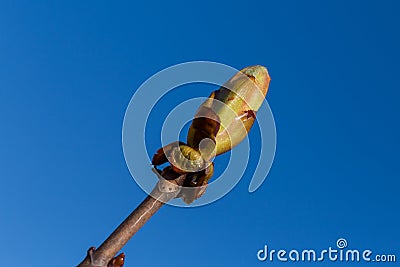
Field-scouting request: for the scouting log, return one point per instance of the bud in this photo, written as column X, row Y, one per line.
column 229, row 113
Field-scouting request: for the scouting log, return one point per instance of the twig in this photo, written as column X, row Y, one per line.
column 104, row 255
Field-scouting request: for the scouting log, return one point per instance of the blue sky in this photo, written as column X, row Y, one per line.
column 69, row 68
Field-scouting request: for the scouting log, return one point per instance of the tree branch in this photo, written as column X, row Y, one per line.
column 104, row 255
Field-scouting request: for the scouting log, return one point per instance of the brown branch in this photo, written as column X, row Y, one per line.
column 104, row 255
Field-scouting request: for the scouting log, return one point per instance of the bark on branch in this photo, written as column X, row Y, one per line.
column 104, row 256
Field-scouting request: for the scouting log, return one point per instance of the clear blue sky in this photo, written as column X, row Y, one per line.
column 69, row 68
